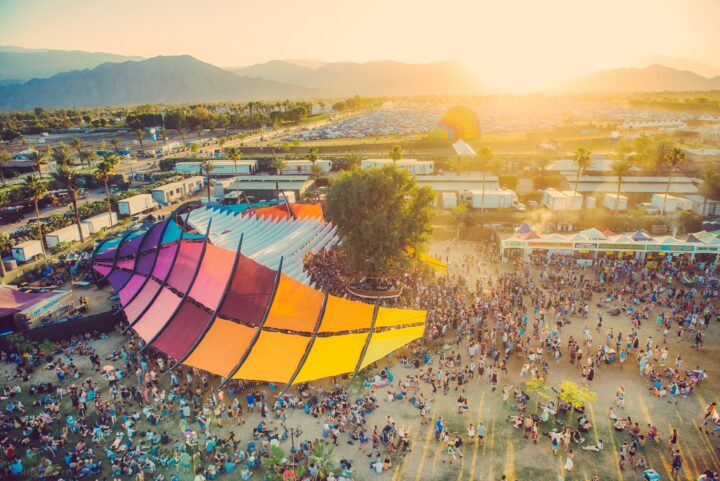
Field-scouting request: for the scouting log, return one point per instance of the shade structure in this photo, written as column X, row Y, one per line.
column 219, row 310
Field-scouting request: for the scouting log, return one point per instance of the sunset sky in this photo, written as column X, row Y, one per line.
column 522, row 45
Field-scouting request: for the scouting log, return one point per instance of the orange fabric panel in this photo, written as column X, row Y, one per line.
column 331, row 356
column 301, row 211
column 344, row 315
column 274, row 357
column 222, row 347
column 392, row 316
column 295, row 307
column 383, row 343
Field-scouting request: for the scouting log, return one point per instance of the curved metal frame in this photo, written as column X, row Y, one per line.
column 367, row 341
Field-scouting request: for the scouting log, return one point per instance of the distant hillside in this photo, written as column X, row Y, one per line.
column 371, row 78
column 156, row 80
column 20, row 64
column 649, row 79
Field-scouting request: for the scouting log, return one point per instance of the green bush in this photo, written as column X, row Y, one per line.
column 509, row 181
column 548, row 181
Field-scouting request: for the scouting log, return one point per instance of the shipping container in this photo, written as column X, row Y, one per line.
column 136, row 204
column 99, row 222
column 27, row 251
column 66, row 235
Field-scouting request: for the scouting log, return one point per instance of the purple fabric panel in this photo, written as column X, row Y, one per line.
column 185, row 266
column 157, row 315
column 182, row 331
column 212, row 278
column 164, row 262
column 152, row 238
column 140, row 302
column 106, row 255
column 130, row 247
column 118, row 278
column 249, row 293
column 103, row 270
column 132, row 286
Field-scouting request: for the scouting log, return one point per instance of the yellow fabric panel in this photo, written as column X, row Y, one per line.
column 295, row 307
column 274, row 358
column 436, row 264
column 221, row 348
column 331, row 356
column 391, row 316
column 383, row 343
column 344, row 315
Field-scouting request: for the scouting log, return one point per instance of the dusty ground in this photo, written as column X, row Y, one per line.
column 505, row 450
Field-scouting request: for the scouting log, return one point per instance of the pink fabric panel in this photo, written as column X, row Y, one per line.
column 180, row 334
column 132, row 286
column 164, row 262
column 128, row 264
column 159, row 313
column 103, row 270
column 213, row 276
column 185, row 265
column 136, row 306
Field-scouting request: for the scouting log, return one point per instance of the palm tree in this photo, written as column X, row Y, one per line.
column 278, row 164
column 140, row 133
column 208, row 166
column 541, row 162
column 620, row 168
column 64, row 176
column 181, row 133
column 62, row 155
column 582, row 160
column 710, row 187
column 673, row 158
column 103, row 171
column 484, row 158
column 90, row 157
column 396, row 153
column 39, row 157
column 115, row 142
column 36, row 190
column 312, row 155
column 77, row 144
column 5, row 245
column 235, row 154
column 5, row 157
column 221, row 142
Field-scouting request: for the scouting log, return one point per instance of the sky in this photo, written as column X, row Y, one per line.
column 515, row 45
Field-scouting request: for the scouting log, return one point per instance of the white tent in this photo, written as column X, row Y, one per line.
column 462, row 148
column 593, row 234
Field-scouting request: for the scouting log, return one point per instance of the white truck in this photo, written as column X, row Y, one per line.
column 66, row 235
column 136, row 204
column 491, row 199
column 610, row 201
column 99, row 222
column 27, row 251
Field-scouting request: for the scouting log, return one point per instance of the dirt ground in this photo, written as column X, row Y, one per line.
column 505, row 451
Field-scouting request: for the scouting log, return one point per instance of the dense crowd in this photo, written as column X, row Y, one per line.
column 131, row 418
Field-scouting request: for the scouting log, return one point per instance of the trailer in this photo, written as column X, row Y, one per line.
column 176, row 191
column 489, row 199
column 561, row 200
column 449, row 200
column 100, row 222
column 223, row 168
column 672, row 204
column 610, row 201
column 27, row 251
column 136, row 204
column 66, row 235
column 304, row 167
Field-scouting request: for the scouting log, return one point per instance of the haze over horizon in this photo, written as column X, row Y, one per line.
column 512, row 46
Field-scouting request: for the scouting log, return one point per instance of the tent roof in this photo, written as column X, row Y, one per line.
column 593, row 234
column 462, row 148
column 13, row 301
column 639, row 235
column 524, row 229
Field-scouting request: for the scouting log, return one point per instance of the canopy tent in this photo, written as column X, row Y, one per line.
column 221, row 311
column 462, row 148
column 13, row 301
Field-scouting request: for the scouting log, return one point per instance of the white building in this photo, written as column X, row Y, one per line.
column 615, row 202
column 304, row 167
column 417, row 167
column 490, row 199
column 223, row 168
column 672, row 204
column 554, row 199
column 176, row 191
column 633, row 185
column 702, row 206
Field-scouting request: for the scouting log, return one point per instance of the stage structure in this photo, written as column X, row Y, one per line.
column 209, row 296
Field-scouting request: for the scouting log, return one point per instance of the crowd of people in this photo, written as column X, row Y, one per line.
column 126, row 416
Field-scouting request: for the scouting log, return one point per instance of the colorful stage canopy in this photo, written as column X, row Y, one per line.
column 220, row 310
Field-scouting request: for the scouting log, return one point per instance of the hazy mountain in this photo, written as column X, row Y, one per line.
column 371, row 78
column 19, row 63
column 699, row 68
column 156, row 80
column 649, row 79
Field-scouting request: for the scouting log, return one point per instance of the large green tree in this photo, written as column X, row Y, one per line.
column 379, row 213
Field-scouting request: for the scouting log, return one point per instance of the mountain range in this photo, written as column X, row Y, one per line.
column 56, row 78
column 370, row 78
column 173, row 79
column 654, row 78
column 19, row 64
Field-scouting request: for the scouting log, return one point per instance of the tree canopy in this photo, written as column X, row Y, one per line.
column 379, row 213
